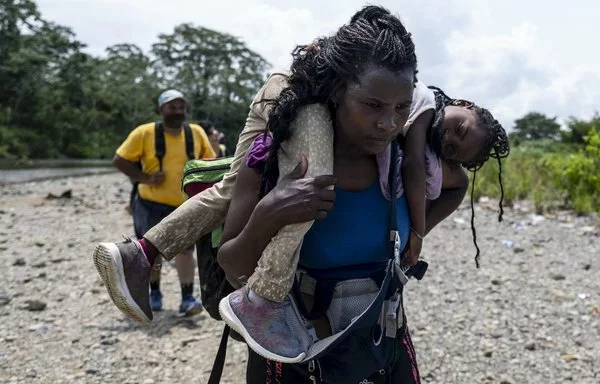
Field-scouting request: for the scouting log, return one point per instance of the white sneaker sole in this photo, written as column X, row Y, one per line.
column 107, row 259
column 234, row 322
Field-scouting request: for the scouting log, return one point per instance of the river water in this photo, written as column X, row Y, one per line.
column 12, row 171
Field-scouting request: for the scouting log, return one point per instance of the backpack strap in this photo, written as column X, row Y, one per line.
column 393, row 182
column 159, row 142
column 395, row 245
column 189, row 141
column 418, row 270
column 217, row 369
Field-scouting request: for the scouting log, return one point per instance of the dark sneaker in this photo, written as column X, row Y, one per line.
column 156, row 301
column 273, row 330
column 125, row 271
column 189, row 307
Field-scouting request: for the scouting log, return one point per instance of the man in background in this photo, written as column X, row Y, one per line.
column 216, row 138
column 154, row 155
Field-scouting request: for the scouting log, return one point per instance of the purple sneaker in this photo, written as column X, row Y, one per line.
column 273, row 330
column 125, row 271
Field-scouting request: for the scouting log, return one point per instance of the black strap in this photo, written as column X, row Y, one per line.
column 393, row 182
column 217, row 369
column 189, row 141
column 418, row 270
column 159, row 142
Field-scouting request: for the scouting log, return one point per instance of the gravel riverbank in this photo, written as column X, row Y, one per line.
column 529, row 315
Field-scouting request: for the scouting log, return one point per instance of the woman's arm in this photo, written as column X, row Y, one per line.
column 245, row 222
column 251, row 223
column 455, row 183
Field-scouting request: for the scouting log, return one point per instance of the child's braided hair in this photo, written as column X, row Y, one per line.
column 495, row 146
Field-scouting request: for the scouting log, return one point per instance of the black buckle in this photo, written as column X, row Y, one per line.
column 418, row 270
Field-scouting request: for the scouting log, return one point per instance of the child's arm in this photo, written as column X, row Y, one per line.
column 413, row 175
column 455, row 183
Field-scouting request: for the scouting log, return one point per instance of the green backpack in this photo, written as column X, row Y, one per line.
column 201, row 174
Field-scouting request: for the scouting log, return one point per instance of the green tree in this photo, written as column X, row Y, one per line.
column 57, row 100
column 39, row 67
column 578, row 129
column 17, row 18
column 534, row 126
column 217, row 72
column 128, row 89
column 577, row 174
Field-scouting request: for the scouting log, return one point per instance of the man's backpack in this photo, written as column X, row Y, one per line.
column 160, row 150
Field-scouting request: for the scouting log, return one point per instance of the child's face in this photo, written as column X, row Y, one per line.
column 463, row 139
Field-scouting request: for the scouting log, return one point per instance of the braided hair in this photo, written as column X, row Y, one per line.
column 320, row 69
column 495, row 146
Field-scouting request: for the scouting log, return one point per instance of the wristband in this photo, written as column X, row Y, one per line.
column 417, row 233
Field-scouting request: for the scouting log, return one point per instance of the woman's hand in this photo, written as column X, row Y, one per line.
column 296, row 199
column 413, row 250
column 251, row 224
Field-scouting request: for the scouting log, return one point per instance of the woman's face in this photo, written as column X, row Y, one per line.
column 371, row 112
column 462, row 139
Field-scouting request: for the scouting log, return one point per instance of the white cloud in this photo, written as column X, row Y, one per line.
column 575, row 93
column 504, row 73
column 488, row 68
column 269, row 30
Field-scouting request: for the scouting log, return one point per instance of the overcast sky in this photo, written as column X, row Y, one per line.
column 512, row 56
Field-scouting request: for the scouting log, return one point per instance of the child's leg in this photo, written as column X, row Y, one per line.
column 312, row 137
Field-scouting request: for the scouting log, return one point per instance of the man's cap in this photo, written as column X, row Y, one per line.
column 168, row 96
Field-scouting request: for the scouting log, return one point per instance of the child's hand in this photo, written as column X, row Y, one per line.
column 413, row 251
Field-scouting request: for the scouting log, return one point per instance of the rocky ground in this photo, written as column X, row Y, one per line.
column 529, row 315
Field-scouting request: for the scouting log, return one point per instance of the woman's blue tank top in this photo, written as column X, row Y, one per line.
column 355, row 233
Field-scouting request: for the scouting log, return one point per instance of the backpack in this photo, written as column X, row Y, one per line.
column 160, row 150
column 199, row 175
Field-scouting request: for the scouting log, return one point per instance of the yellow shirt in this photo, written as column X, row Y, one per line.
column 139, row 147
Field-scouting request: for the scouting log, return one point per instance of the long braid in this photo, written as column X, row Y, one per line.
column 496, row 146
column 320, row 69
column 501, row 213
column 473, row 221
